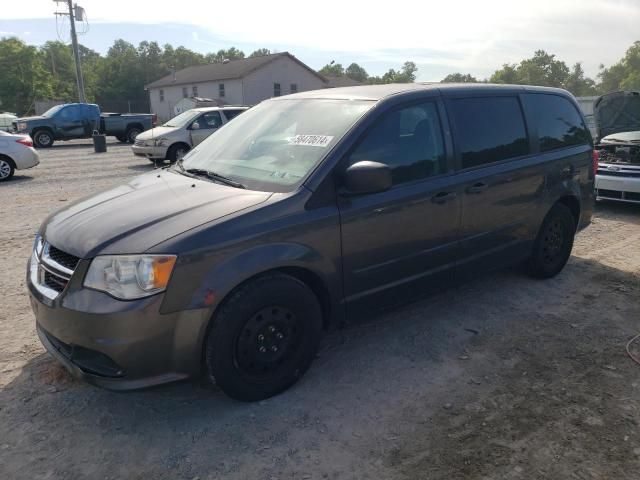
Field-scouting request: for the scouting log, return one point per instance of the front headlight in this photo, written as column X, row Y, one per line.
column 128, row 277
column 21, row 126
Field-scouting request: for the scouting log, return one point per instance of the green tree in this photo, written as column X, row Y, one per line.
column 507, row 74
column 23, row 78
column 578, row 84
column 260, row 52
column 406, row 75
column 332, row 69
column 357, row 73
column 624, row 75
column 230, row 54
column 459, row 78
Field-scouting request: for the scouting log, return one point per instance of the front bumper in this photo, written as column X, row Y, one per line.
column 118, row 345
column 618, row 187
column 150, row 152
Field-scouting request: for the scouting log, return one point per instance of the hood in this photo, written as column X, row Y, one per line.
column 617, row 112
column 136, row 216
column 157, row 132
column 30, row 119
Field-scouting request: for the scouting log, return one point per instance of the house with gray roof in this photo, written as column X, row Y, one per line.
column 235, row 82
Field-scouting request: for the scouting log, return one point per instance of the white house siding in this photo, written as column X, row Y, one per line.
column 258, row 85
column 173, row 94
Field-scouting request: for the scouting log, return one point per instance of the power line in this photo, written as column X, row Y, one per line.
column 79, row 11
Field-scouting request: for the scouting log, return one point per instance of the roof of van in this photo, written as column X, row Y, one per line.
column 378, row 92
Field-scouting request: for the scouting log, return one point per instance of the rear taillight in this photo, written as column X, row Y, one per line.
column 596, row 160
column 26, row 141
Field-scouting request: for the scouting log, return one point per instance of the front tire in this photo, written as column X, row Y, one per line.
column 553, row 245
column 177, row 151
column 43, row 139
column 264, row 337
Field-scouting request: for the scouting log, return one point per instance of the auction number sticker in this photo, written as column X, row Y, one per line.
column 311, row 140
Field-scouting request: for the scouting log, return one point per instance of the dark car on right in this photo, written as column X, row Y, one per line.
column 617, row 117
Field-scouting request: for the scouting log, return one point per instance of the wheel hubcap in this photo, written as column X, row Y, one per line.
column 267, row 341
column 180, row 153
column 44, row 139
column 553, row 242
column 5, row 169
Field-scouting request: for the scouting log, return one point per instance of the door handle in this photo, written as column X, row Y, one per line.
column 443, row 197
column 477, row 187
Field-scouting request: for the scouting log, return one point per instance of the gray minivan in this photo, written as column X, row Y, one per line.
column 303, row 212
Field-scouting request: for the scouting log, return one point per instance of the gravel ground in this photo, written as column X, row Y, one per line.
column 502, row 378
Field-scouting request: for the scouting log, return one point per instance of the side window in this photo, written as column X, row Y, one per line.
column 409, row 140
column 232, row 113
column 559, row 122
column 210, row 120
column 489, row 129
column 70, row 113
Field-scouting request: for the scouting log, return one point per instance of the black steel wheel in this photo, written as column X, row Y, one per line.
column 132, row 133
column 553, row 245
column 264, row 337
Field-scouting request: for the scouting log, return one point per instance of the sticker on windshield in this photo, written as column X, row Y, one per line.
column 311, row 140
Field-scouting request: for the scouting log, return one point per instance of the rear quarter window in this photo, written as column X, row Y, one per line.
column 488, row 129
column 558, row 121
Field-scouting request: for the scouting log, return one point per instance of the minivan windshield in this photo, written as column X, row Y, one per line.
column 183, row 119
column 275, row 145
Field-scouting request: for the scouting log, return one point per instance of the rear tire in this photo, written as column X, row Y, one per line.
column 121, row 139
column 553, row 245
column 264, row 337
column 131, row 134
column 43, row 139
column 7, row 169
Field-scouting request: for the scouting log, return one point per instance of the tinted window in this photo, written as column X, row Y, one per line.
column 209, row 120
column 559, row 123
column 232, row 113
column 409, row 140
column 72, row 112
column 489, row 129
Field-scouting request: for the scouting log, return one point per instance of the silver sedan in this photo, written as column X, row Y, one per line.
column 16, row 153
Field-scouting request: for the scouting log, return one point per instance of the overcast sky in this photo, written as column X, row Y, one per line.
column 468, row 36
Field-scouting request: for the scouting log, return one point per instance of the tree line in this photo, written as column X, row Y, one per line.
column 32, row 73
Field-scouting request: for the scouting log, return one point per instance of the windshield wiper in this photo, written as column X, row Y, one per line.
column 212, row 176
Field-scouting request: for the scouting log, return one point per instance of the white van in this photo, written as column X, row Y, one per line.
column 175, row 138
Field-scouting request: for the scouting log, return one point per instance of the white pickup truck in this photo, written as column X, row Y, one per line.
column 175, row 138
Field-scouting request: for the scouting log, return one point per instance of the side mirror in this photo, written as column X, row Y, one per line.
column 367, row 177
column 195, row 126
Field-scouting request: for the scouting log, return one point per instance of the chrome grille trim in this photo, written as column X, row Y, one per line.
column 40, row 265
column 47, row 260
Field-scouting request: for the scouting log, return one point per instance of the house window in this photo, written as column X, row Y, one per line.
column 162, row 95
column 294, row 88
column 221, row 90
column 194, row 89
column 276, row 89
column 185, row 92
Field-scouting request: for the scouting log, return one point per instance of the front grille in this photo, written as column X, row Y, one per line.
column 609, row 193
column 139, row 143
column 65, row 259
column 54, row 282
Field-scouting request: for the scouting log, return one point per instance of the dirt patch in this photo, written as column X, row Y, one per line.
column 502, row 378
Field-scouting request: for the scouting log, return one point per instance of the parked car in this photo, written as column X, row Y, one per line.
column 6, row 121
column 16, row 153
column 79, row 120
column 305, row 211
column 175, row 138
column 618, row 152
